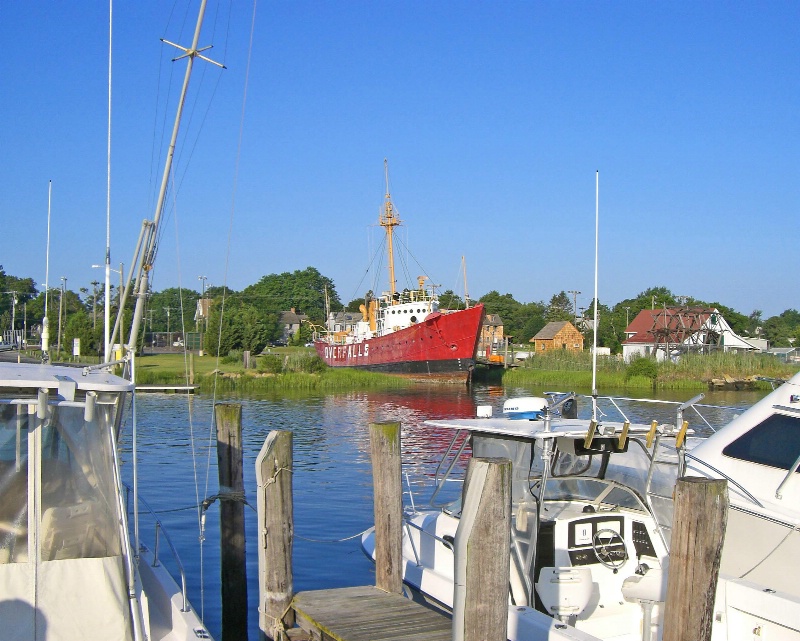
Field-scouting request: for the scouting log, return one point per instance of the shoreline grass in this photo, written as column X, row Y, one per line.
column 286, row 369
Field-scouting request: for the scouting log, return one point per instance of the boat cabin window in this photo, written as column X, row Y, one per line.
column 774, row 442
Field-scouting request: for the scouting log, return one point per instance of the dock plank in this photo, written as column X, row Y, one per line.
column 368, row 613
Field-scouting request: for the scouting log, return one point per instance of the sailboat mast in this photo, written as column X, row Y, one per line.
column 389, row 221
column 149, row 254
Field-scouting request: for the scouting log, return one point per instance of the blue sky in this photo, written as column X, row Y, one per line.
column 494, row 118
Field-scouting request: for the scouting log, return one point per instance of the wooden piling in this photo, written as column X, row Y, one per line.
column 232, row 539
column 698, row 531
column 482, row 553
column 388, row 505
column 275, row 534
column 191, row 368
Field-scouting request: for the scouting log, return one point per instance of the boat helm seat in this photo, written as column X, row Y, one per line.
column 647, row 587
column 648, row 584
column 564, row 592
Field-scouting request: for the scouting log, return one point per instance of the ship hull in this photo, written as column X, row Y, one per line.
column 442, row 347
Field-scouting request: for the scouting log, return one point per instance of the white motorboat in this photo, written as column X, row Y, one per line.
column 592, row 512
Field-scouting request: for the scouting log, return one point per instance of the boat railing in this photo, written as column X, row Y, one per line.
column 722, row 474
column 159, row 530
column 451, row 457
column 616, row 402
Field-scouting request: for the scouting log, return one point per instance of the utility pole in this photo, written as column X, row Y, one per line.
column 152, row 336
column 94, row 285
column 627, row 312
column 169, row 337
column 60, row 306
column 574, row 303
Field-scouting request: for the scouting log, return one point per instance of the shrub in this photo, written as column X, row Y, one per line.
column 641, row 366
column 272, row 363
column 306, row 362
column 234, row 357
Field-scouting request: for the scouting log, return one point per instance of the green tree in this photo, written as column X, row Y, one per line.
column 257, row 328
column 450, row 300
column 304, row 290
column 244, row 327
column 754, row 322
column 182, row 305
column 779, row 329
column 79, row 325
column 506, row 307
column 223, row 333
column 355, row 304
column 654, row 297
column 530, row 319
column 607, row 327
column 560, row 308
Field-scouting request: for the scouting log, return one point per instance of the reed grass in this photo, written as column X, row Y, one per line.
column 690, row 372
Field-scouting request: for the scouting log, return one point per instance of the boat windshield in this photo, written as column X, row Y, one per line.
column 590, row 490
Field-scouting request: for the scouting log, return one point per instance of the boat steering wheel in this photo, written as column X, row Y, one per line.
column 605, row 543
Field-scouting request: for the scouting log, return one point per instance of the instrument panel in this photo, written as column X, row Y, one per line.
column 581, row 533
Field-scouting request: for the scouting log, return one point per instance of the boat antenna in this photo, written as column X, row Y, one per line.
column 389, row 220
column 107, row 305
column 596, row 245
column 45, row 322
column 151, row 227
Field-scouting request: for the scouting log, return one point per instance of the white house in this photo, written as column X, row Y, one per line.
column 672, row 331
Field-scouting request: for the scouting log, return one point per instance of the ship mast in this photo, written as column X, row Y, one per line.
column 389, row 221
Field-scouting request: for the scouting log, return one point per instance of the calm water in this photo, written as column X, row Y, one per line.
column 332, row 480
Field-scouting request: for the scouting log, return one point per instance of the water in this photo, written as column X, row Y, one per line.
column 332, row 474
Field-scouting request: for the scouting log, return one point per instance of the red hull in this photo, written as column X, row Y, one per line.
column 442, row 346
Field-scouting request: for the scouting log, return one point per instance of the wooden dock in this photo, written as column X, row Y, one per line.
column 367, row 613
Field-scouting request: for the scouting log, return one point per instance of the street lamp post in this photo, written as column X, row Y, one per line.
column 202, row 296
